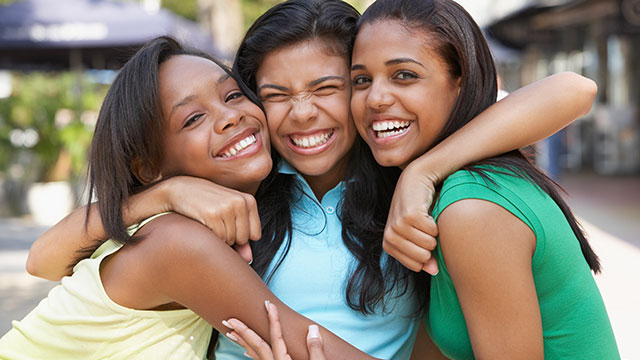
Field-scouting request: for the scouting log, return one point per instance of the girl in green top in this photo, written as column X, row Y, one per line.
column 514, row 279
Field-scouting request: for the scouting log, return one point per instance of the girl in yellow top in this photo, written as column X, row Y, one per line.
column 169, row 112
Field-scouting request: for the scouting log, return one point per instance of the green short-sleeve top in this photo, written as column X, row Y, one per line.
column 574, row 319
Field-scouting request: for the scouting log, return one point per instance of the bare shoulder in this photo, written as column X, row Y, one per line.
column 473, row 227
column 176, row 236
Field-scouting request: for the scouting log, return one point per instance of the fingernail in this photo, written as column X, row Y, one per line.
column 251, row 261
column 247, row 355
column 266, row 304
column 314, row 332
column 225, row 323
column 230, row 336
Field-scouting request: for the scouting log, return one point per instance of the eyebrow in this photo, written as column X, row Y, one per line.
column 223, row 78
column 273, row 86
column 182, row 102
column 309, row 85
column 402, row 60
column 325, row 78
column 388, row 63
column 187, row 99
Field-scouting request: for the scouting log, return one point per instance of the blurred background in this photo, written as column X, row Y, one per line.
column 58, row 57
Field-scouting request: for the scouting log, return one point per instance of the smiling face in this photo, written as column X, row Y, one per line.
column 212, row 130
column 403, row 93
column 305, row 92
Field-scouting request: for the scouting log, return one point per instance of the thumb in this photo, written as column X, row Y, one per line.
column 245, row 252
column 314, row 343
column 431, row 266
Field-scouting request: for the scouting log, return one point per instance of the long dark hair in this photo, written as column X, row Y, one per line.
column 130, row 129
column 365, row 204
column 460, row 44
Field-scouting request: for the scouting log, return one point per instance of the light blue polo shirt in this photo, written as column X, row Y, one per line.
column 312, row 281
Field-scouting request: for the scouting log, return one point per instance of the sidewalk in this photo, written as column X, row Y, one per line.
column 609, row 210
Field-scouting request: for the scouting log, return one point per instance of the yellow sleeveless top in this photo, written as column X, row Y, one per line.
column 78, row 320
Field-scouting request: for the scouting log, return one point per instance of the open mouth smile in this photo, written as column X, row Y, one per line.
column 238, row 148
column 309, row 144
column 389, row 128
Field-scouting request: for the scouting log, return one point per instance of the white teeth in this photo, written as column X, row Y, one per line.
column 239, row 146
column 389, row 125
column 388, row 133
column 311, row 141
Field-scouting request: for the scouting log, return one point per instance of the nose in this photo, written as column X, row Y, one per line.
column 303, row 110
column 378, row 97
column 228, row 118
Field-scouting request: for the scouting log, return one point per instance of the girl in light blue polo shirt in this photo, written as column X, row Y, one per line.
column 324, row 207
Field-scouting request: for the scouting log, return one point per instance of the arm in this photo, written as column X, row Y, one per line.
column 526, row 116
column 489, row 260
column 257, row 348
column 232, row 215
column 181, row 261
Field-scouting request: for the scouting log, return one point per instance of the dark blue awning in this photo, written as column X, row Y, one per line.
column 47, row 29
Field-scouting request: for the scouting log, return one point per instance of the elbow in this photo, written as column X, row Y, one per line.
column 34, row 266
column 584, row 88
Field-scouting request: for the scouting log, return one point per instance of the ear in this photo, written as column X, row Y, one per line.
column 144, row 173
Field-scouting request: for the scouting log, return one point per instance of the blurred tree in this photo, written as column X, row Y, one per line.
column 51, row 115
column 223, row 19
column 185, row 8
column 229, row 15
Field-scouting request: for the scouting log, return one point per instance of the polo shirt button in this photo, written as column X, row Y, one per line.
column 330, row 209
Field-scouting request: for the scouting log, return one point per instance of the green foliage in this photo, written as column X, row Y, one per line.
column 185, row 8
column 33, row 104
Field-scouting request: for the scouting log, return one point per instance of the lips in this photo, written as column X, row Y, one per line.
column 312, row 140
column 311, row 143
column 387, row 128
column 240, row 144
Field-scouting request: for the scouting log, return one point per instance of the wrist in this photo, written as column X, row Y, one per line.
column 429, row 168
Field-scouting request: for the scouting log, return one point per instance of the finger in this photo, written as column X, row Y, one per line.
column 238, row 339
column 423, row 222
column 255, row 228
column 414, row 235
column 277, row 341
column 407, row 253
column 431, row 267
column 230, row 227
column 252, row 340
column 245, row 252
column 220, row 230
column 242, row 225
column 314, row 343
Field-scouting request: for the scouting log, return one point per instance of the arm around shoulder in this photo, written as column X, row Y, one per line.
column 191, row 266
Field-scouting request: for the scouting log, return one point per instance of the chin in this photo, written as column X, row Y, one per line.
column 389, row 160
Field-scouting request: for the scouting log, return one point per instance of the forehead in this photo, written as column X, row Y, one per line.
column 392, row 36
column 179, row 71
column 305, row 60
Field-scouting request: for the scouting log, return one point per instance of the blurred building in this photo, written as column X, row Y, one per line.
column 597, row 38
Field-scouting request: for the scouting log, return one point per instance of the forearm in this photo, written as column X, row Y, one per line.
column 526, row 116
column 54, row 253
column 231, row 290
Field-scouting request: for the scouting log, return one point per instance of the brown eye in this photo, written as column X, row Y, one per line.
column 192, row 120
column 360, row 80
column 234, row 95
column 405, row 75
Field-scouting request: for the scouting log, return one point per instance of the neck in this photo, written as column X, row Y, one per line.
column 321, row 184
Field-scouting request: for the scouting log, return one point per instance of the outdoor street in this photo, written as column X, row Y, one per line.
column 608, row 207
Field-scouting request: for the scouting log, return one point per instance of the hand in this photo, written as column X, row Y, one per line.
column 257, row 348
column 409, row 235
column 231, row 215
